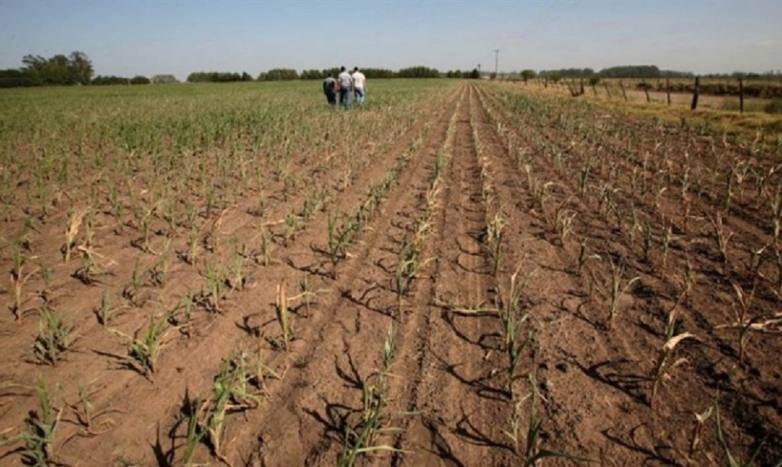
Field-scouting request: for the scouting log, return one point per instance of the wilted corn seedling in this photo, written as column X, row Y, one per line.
column 54, row 336
column 39, row 436
column 71, row 231
column 665, row 363
column 648, row 240
column 584, row 178
column 775, row 203
column 619, row 286
column 743, row 322
column 722, row 236
column 584, row 256
column 90, row 269
column 18, row 280
column 193, row 247
column 564, row 223
column 666, row 242
column 236, row 279
column 696, row 435
column 494, row 235
column 282, row 313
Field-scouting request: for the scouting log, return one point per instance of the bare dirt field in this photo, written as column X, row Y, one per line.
column 474, row 274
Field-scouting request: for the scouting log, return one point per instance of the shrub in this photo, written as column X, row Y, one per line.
column 140, row 80
column 164, row 79
column 773, row 107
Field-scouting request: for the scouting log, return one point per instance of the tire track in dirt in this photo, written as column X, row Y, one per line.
column 453, row 363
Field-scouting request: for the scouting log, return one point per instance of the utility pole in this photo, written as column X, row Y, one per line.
column 496, row 62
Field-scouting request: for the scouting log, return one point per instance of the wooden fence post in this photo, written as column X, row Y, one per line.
column 594, row 89
column 581, row 88
column 741, row 95
column 695, row 92
column 622, row 87
column 668, row 89
column 646, row 90
column 608, row 91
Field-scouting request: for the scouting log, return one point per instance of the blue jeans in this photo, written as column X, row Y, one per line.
column 344, row 98
column 359, row 96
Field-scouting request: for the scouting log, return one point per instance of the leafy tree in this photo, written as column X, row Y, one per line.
column 279, row 74
column 140, row 80
column 108, row 80
column 527, row 75
column 475, row 74
column 418, row 72
column 213, row 77
column 13, row 78
column 164, row 79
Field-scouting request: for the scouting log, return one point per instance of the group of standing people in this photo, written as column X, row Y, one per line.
column 345, row 85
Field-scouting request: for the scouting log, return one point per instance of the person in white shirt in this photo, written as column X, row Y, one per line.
column 345, row 87
column 359, row 85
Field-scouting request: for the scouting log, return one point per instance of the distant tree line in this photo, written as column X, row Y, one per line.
column 625, row 71
column 36, row 70
column 217, row 77
column 459, row 74
column 74, row 69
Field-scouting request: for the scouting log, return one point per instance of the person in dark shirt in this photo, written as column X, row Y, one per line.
column 330, row 90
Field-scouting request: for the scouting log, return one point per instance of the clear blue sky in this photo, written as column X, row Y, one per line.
column 146, row 37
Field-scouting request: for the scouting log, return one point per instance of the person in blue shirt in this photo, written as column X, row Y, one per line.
column 345, row 82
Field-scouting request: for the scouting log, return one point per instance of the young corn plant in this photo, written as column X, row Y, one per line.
column 283, row 315
column 144, row 348
column 133, row 290
column 54, row 336
column 213, row 291
column 105, row 312
column 513, row 313
column 39, row 436
column 232, row 391
column 364, row 438
column 406, row 269
column 93, row 422
column 532, row 452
